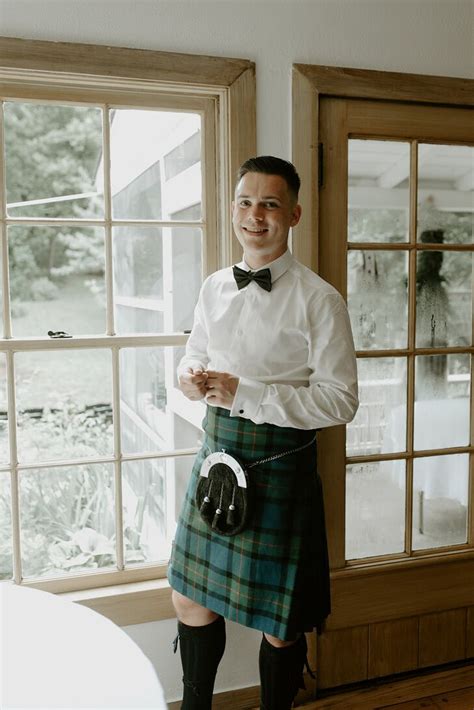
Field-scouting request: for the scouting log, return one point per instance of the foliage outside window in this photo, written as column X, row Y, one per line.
column 107, row 234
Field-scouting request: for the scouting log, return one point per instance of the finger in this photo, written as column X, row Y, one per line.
column 191, row 379
column 215, row 379
column 195, row 389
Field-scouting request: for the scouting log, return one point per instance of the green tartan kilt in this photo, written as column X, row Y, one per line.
column 274, row 575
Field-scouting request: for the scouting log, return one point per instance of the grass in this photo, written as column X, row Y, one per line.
column 46, row 378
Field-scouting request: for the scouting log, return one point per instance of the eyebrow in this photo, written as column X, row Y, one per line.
column 265, row 197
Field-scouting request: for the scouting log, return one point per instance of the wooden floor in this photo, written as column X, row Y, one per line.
column 457, row 700
column 448, row 689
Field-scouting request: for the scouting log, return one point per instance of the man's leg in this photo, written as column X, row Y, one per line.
column 281, row 666
column 201, row 636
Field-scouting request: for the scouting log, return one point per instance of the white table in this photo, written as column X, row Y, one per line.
column 58, row 654
column 438, row 424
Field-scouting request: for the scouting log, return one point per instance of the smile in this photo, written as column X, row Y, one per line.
column 254, row 231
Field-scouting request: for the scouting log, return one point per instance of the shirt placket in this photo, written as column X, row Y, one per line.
column 242, row 325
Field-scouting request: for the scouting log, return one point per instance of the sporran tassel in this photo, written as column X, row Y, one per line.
column 231, row 511
column 217, row 516
column 205, row 508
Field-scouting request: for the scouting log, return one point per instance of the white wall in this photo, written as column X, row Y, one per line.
column 416, row 36
column 239, row 667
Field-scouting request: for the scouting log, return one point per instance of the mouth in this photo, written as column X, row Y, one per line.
column 256, row 231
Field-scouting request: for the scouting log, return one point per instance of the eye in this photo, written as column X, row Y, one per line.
column 271, row 205
column 244, row 203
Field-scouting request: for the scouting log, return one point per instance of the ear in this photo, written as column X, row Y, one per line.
column 296, row 215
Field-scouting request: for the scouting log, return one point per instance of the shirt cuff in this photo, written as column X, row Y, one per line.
column 248, row 398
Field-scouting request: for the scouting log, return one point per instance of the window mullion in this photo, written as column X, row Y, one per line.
column 209, row 192
column 7, row 332
column 118, row 458
column 15, row 484
column 110, row 328
column 411, row 344
column 72, row 222
column 7, row 326
column 138, row 456
column 94, row 342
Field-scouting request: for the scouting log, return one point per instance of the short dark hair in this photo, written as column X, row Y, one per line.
column 269, row 165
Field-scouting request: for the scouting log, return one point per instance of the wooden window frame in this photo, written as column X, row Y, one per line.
column 311, row 84
column 223, row 91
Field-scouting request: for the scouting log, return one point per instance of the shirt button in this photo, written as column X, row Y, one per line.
column 241, row 411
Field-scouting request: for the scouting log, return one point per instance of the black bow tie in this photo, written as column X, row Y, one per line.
column 262, row 277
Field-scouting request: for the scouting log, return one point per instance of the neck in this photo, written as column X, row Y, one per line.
column 258, row 261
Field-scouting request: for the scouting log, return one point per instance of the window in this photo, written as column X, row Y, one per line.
column 109, row 222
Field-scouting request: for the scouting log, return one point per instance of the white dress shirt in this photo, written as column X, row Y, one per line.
column 292, row 347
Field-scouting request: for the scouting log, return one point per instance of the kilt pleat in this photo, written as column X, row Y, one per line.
column 274, row 575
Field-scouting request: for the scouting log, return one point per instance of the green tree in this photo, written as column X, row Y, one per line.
column 51, row 151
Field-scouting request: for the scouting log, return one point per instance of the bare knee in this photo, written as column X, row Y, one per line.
column 191, row 613
column 279, row 643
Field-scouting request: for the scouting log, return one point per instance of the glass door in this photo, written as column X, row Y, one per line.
column 396, row 238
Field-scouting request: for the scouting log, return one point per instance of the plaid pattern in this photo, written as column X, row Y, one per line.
column 274, row 576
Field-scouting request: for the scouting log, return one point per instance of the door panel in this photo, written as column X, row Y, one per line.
column 393, row 647
column 442, row 637
column 342, row 657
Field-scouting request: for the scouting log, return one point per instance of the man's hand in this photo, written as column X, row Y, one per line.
column 221, row 388
column 193, row 383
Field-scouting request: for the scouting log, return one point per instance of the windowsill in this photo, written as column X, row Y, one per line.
column 141, row 602
column 131, row 603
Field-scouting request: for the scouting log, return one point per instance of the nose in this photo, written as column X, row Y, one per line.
column 256, row 213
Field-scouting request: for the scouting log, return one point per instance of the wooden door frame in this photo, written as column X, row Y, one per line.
column 382, row 599
column 311, row 83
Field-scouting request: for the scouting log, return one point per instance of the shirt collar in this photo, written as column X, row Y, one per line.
column 277, row 267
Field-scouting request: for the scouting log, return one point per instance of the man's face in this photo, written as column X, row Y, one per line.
column 262, row 213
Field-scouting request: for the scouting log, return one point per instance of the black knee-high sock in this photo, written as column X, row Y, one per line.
column 201, row 649
column 281, row 673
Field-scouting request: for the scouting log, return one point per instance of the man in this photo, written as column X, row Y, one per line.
column 271, row 353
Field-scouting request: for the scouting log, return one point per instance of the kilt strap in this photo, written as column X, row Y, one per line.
column 276, row 456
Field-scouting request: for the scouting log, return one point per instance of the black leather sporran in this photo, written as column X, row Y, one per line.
column 223, row 495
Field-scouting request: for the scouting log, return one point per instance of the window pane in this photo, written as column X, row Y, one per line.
column 155, row 415
column 151, row 266
column 375, row 509
column 445, row 193
column 56, row 280
column 152, row 492
column 378, row 191
column 440, row 490
column 442, row 401
column 52, row 153
column 64, row 404
column 444, row 299
column 380, row 423
column 67, row 520
column 377, row 298
column 183, row 156
column 6, row 559
column 4, row 445
column 155, row 163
